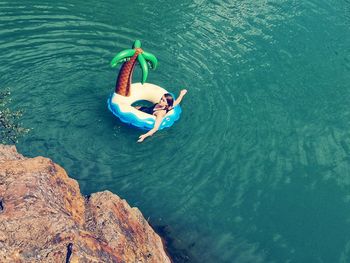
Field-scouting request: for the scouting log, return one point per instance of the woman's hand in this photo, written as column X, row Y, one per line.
column 179, row 99
column 142, row 137
column 183, row 92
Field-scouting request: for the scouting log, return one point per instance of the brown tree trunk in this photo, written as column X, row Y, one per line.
column 122, row 86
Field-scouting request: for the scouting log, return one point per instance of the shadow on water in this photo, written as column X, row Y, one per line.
column 177, row 255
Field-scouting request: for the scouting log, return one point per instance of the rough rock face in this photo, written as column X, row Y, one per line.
column 44, row 218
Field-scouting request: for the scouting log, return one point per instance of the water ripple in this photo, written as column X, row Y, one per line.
column 265, row 116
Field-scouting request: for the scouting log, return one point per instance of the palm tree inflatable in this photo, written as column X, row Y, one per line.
column 129, row 57
column 120, row 103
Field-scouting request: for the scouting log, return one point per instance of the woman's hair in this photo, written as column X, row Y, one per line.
column 169, row 99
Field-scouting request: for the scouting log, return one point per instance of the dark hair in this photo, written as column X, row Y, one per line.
column 169, row 99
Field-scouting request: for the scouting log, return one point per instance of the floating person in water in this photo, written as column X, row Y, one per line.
column 162, row 114
column 159, row 110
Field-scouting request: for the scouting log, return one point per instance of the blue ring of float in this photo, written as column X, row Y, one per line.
column 144, row 124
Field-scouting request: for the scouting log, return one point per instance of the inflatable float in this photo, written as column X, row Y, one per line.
column 126, row 94
column 121, row 107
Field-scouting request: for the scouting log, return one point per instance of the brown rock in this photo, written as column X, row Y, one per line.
column 44, row 218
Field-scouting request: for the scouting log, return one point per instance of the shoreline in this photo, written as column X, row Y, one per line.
column 45, row 218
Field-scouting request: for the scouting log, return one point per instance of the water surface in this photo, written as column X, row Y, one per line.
column 258, row 167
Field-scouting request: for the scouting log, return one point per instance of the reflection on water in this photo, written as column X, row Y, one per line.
column 256, row 169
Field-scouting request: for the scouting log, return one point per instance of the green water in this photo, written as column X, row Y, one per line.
column 257, row 169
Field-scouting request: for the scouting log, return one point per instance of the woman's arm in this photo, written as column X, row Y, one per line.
column 179, row 99
column 159, row 117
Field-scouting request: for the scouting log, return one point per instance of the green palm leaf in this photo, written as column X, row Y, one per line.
column 144, row 67
column 151, row 58
column 121, row 56
column 137, row 44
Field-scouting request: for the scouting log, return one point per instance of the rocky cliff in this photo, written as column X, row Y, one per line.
column 44, row 218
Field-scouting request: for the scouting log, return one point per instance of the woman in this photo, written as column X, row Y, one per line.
column 159, row 110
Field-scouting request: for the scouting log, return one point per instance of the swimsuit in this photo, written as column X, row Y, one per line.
column 151, row 110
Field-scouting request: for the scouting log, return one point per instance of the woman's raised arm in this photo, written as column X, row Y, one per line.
column 179, row 99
